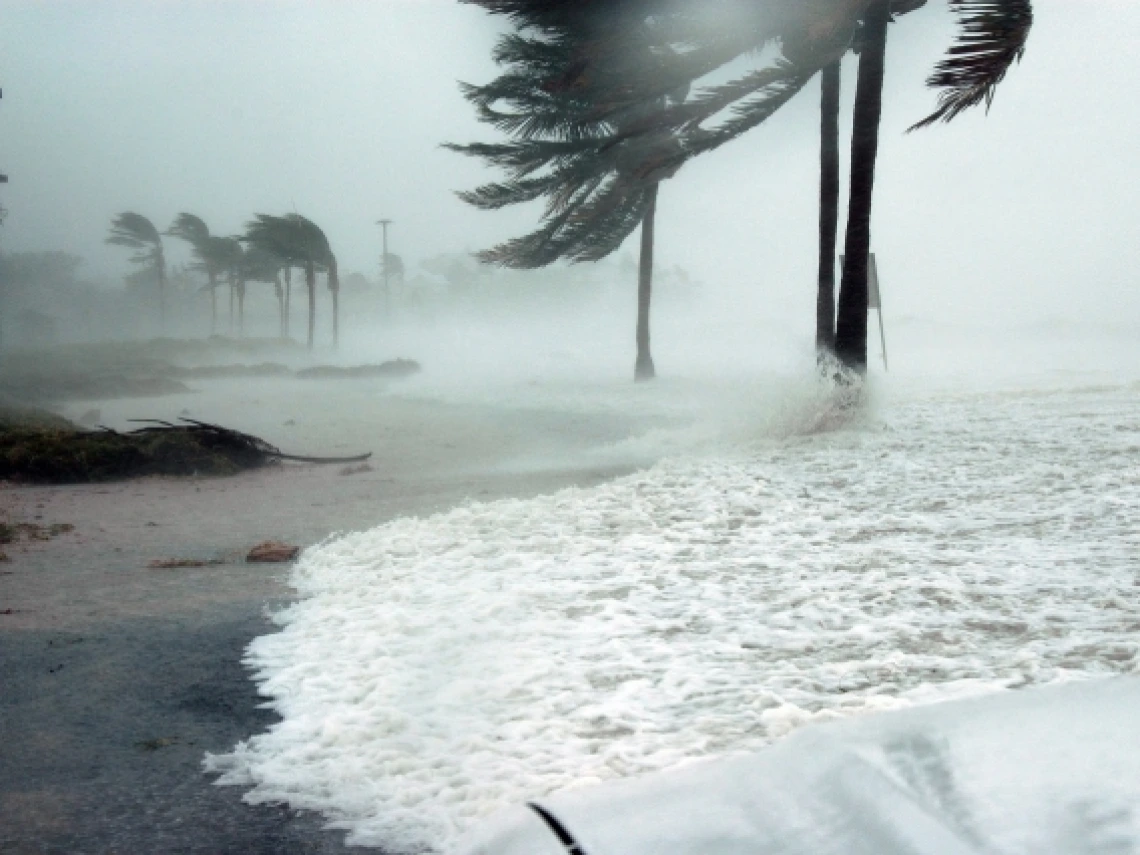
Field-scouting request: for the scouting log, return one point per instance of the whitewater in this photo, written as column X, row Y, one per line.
column 939, row 544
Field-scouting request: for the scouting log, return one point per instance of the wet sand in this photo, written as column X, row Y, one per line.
column 117, row 678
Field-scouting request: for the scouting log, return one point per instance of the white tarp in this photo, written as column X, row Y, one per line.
column 1054, row 770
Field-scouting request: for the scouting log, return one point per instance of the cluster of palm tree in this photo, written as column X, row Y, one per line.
column 268, row 251
column 599, row 103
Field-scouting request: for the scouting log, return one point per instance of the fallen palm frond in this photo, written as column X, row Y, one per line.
column 61, row 455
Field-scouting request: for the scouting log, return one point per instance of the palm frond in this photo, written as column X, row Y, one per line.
column 991, row 37
column 136, row 232
column 190, row 228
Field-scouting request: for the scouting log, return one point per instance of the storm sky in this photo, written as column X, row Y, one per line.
column 336, row 109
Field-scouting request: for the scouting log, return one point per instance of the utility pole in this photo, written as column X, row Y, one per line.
column 384, row 270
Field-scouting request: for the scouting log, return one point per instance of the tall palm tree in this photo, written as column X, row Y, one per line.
column 992, row 37
column 136, row 232
column 299, row 242
column 851, row 314
column 599, row 80
column 593, row 200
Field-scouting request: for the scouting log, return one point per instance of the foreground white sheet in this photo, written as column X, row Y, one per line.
column 440, row 669
column 1053, row 770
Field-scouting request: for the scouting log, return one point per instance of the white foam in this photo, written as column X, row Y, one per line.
column 438, row 669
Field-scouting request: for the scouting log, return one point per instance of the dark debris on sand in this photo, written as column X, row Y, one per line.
column 51, row 454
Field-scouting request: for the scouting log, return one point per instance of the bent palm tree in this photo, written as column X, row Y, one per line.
column 298, row 242
column 992, row 37
column 136, row 232
column 594, row 199
column 587, row 87
column 209, row 255
column 259, row 265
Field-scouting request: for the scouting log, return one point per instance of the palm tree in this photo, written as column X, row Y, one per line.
column 211, row 254
column 593, row 200
column 298, row 242
column 992, row 37
column 259, row 265
column 851, row 314
column 136, row 232
column 228, row 252
column 598, row 80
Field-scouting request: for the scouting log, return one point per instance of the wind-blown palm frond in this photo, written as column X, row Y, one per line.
column 992, row 35
column 190, row 228
column 136, row 232
column 294, row 239
column 260, row 265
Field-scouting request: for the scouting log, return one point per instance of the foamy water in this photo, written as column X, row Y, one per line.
column 948, row 543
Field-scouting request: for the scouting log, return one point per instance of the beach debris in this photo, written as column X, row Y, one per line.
column 355, row 470
column 176, row 563
column 11, row 532
column 272, row 552
column 156, row 744
column 61, row 455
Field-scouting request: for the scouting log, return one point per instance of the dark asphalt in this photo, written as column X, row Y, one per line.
column 102, row 735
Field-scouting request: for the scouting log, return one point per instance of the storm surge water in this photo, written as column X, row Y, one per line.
column 951, row 543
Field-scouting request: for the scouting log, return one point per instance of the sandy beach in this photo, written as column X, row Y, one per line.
column 117, row 677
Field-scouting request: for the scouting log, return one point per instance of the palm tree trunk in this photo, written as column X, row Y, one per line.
column 288, row 297
column 213, row 302
column 851, row 326
column 279, row 292
column 232, row 295
column 334, row 287
column 828, row 210
column 311, row 285
column 643, row 369
column 241, row 305
column 161, row 264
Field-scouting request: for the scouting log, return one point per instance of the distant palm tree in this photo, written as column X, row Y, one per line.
column 299, row 242
column 210, row 254
column 136, row 232
column 259, row 265
column 227, row 253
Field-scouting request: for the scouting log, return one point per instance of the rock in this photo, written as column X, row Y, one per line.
column 272, row 551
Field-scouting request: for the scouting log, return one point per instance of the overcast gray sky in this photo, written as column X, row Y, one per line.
column 337, row 109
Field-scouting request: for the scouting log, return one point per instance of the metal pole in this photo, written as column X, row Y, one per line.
column 384, row 269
